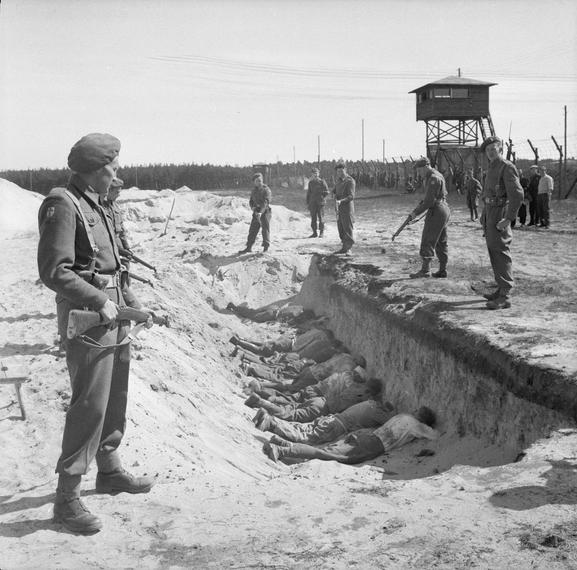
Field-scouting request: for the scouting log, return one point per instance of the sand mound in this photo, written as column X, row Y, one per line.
column 19, row 212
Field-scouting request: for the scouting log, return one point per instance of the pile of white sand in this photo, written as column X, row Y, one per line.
column 19, row 211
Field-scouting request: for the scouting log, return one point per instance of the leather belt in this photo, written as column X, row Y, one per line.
column 493, row 201
column 113, row 280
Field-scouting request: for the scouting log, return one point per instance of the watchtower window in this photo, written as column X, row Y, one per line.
column 442, row 93
column 450, row 93
column 422, row 96
column 459, row 93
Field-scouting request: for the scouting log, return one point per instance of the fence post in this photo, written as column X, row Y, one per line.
column 560, row 149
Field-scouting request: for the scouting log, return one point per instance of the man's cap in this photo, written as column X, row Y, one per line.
column 315, row 169
column 257, row 175
column 92, row 152
column 117, row 183
column 534, row 167
column 423, row 161
column 340, row 164
column 490, row 140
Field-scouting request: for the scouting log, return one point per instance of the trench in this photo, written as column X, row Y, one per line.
column 490, row 405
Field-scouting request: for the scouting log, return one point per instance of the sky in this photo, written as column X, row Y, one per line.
column 251, row 81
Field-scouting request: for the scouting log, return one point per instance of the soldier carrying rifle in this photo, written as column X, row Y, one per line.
column 78, row 259
column 434, row 237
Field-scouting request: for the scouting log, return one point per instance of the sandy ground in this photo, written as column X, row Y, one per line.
column 219, row 502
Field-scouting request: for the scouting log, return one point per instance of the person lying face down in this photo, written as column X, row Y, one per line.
column 316, row 344
column 368, row 414
column 300, row 374
column 362, row 445
column 330, row 396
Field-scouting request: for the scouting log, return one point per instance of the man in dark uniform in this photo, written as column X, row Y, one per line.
column 473, row 191
column 317, row 192
column 76, row 237
column 434, row 237
column 502, row 195
column 261, row 213
column 117, row 222
column 532, row 192
column 524, row 181
column 344, row 193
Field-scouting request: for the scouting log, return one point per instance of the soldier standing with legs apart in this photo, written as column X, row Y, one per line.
column 502, row 196
column 473, row 191
column 317, row 192
column 344, row 193
column 261, row 213
column 434, row 237
column 76, row 237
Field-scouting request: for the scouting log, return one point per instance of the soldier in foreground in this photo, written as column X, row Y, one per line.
column 317, row 192
column 502, row 195
column 76, row 238
column 261, row 213
column 434, row 237
column 344, row 193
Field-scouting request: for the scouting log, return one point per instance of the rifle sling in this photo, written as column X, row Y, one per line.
column 91, row 343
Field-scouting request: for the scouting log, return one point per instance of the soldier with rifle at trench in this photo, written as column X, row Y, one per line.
column 78, row 259
column 434, row 237
column 122, row 242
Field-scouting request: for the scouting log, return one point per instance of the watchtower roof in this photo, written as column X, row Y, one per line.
column 454, row 80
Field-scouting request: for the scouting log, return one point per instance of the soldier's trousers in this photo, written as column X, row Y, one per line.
column 543, row 206
column 255, row 226
column 533, row 217
column 434, row 237
column 345, row 223
column 498, row 244
column 317, row 217
column 96, row 419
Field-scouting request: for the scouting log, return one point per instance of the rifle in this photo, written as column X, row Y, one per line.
column 80, row 321
column 131, row 257
column 402, row 227
column 141, row 279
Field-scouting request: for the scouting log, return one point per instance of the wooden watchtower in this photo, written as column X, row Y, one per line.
column 457, row 118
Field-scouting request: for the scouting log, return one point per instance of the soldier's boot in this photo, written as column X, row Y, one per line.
column 247, row 249
column 70, row 511
column 442, row 273
column 313, row 235
column 492, row 296
column 322, row 233
column 503, row 301
column 120, row 481
column 425, row 270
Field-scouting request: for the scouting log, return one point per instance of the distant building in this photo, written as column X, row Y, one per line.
column 457, row 118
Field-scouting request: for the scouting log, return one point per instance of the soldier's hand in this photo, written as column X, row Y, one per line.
column 503, row 224
column 150, row 321
column 109, row 312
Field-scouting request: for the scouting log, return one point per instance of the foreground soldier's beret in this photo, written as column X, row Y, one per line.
column 92, row 152
column 490, row 140
column 423, row 161
column 117, row 183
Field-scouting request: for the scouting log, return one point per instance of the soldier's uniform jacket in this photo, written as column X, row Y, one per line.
column 345, row 190
column 502, row 187
column 64, row 247
column 317, row 192
column 473, row 187
column 115, row 216
column 435, row 192
column 260, row 199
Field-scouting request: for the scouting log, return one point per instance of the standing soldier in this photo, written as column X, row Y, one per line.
column 473, row 191
column 434, row 237
column 76, row 238
column 261, row 213
column 532, row 193
column 317, row 192
column 115, row 216
column 344, row 193
column 502, row 196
